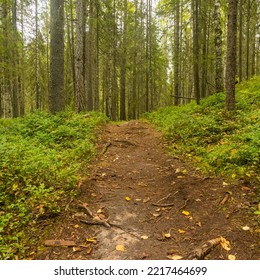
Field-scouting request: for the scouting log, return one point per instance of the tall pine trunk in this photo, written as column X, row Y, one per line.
column 218, row 48
column 231, row 55
column 56, row 95
column 80, row 96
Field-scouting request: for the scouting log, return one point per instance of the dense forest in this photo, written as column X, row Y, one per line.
column 123, row 58
column 178, row 166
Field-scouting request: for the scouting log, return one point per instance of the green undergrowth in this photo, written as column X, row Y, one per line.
column 218, row 141
column 40, row 160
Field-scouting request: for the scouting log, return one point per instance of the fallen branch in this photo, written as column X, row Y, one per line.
column 164, row 198
column 106, row 148
column 184, row 205
column 96, row 223
column 225, row 199
column 59, row 243
column 163, row 205
column 204, row 250
column 87, row 209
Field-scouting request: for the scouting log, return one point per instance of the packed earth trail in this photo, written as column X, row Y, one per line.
column 138, row 202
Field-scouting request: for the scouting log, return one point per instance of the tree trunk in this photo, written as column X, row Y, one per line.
column 240, row 42
column 80, row 96
column 123, row 67
column 248, row 38
column 196, row 50
column 176, row 52
column 218, row 48
column 56, row 96
column 231, row 55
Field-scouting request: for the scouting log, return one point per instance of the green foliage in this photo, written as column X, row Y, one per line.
column 218, row 141
column 40, row 159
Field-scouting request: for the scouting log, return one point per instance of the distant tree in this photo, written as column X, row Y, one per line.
column 231, row 55
column 56, row 95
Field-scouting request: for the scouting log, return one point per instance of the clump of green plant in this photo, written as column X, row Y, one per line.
column 226, row 143
column 40, row 159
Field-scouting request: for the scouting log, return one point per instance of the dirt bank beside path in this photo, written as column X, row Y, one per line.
column 137, row 202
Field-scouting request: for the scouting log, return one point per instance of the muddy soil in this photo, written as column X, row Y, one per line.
column 155, row 206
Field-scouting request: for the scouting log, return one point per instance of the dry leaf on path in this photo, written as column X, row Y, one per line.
column 120, row 248
column 146, row 200
column 144, row 237
column 225, row 244
column 181, row 231
column 175, row 257
column 91, row 240
column 127, row 198
column 186, row 213
column 167, row 235
column 156, row 215
column 246, row 228
column 231, row 257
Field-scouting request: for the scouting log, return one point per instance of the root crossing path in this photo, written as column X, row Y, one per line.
column 137, row 202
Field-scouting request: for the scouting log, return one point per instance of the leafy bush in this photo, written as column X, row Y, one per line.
column 40, row 159
column 218, row 141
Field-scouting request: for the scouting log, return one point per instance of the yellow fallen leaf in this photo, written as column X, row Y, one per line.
column 231, row 257
column 76, row 226
column 144, row 237
column 127, row 198
column 167, row 235
column 138, row 199
column 175, row 257
column 76, row 249
column 120, row 248
column 91, row 240
column 181, row 231
column 186, row 213
column 225, row 244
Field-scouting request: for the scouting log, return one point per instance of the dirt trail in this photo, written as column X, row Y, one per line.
column 143, row 191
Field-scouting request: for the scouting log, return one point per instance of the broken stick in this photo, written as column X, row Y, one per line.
column 204, row 250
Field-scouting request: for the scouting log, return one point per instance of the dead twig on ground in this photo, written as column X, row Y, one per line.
column 164, row 198
column 201, row 252
column 184, row 205
column 96, row 223
column 106, row 148
column 225, row 199
column 89, row 212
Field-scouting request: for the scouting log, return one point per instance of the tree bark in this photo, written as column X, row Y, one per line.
column 123, row 67
column 196, row 50
column 176, row 52
column 218, row 48
column 56, row 96
column 231, row 55
column 80, row 96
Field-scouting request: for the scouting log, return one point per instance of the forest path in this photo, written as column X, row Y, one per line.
column 156, row 205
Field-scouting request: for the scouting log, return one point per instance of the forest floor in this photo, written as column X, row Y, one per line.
column 156, row 206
